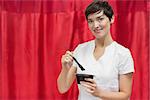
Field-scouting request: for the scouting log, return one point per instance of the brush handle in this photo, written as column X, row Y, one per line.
column 81, row 67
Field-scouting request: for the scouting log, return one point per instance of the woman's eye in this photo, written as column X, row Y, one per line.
column 90, row 21
column 100, row 19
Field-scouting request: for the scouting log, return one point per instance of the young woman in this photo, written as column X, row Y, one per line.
column 109, row 62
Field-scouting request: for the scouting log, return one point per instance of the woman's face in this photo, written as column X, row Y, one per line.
column 99, row 24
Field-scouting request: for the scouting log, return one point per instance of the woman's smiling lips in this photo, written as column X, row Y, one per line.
column 98, row 30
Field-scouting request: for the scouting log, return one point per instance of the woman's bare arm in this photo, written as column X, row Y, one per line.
column 67, row 74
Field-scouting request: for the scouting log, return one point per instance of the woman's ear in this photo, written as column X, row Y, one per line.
column 112, row 19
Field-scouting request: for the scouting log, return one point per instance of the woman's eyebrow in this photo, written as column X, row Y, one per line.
column 99, row 16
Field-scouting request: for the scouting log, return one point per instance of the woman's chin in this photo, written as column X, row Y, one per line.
column 99, row 36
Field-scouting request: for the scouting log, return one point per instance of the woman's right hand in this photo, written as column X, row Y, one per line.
column 67, row 59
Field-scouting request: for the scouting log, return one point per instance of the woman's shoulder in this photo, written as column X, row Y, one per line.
column 121, row 50
column 86, row 44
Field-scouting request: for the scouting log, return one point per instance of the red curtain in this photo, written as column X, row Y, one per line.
column 35, row 33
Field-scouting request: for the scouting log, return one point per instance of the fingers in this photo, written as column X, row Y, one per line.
column 69, row 53
column 67, row 58
column 90, row 80
column 89, row 86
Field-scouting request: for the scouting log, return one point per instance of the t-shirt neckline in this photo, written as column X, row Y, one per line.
column 105, row 52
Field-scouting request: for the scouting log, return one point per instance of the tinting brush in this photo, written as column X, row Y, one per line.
column 78, row 64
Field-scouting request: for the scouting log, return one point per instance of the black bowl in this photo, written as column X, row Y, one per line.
column 81, row 77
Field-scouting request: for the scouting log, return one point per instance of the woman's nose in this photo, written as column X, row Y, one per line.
column 96, row 24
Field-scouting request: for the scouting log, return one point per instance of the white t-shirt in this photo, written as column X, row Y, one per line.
column 116, row 60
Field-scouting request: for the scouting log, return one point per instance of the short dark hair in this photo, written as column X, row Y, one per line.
column 99, row 5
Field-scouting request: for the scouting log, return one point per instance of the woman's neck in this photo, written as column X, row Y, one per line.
column 104, row 42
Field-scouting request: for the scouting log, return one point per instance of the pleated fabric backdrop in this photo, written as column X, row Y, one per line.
column 35, row 33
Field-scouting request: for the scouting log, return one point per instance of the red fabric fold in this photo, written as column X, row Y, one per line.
column 34, row 35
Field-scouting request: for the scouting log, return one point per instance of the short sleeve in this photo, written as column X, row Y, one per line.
column 126, row 64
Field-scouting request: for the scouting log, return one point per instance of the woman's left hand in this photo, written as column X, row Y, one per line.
column 91, row 87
